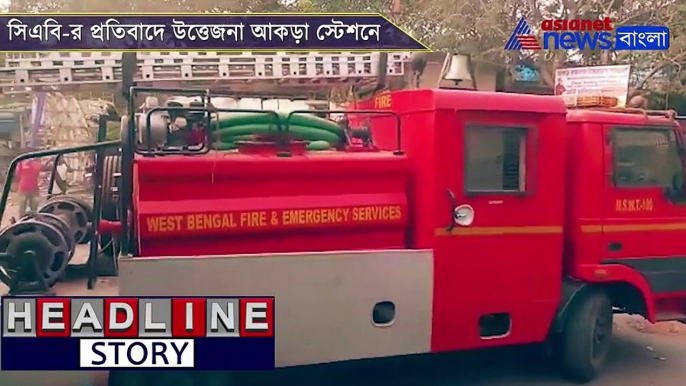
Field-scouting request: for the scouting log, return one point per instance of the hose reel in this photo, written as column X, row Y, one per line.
column 50, row 236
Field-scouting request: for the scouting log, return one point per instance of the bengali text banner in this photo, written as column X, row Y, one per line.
column 24, row 33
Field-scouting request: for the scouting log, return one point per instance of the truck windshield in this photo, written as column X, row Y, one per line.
column 646, row 157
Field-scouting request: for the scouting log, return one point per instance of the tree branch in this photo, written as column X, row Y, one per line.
column 633, row 18
column 536, row 11
column 655, row 71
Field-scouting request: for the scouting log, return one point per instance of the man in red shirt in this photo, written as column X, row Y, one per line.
column 560, row 88
column 28, row 172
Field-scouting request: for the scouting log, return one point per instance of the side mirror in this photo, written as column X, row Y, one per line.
column 677, row 191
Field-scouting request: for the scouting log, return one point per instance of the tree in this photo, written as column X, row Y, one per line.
column 481, row 27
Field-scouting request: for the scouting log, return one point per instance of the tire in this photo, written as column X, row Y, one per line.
column 106, row 264
column 126, row 378
column 169, row 378
column 585, row 339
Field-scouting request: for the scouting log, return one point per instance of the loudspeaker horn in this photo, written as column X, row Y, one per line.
column 464, row 215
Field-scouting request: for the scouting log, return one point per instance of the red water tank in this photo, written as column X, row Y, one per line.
column 256, row 202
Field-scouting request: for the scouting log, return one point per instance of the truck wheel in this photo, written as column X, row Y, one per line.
column 585, row 339
column 125, row 378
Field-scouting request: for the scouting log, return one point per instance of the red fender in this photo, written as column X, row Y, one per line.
column 613, row 273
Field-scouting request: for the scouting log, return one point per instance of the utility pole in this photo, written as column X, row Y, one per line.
column 397, row 8
column 129, row 67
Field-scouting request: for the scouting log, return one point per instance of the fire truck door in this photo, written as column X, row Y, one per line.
column 498, row 263
column 644, row 211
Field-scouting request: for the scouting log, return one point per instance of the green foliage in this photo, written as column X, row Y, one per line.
column 481, row 27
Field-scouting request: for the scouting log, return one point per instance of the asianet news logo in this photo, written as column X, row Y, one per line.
column 589, row 34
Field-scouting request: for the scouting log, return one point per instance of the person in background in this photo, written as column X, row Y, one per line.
column 28, row 173
column 560, row 88
column 61, row 174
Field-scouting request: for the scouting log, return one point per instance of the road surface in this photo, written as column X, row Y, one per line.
column 638, row 359
column 641, row 356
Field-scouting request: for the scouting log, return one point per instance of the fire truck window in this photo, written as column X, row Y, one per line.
column 495, row 159
column 646, row 158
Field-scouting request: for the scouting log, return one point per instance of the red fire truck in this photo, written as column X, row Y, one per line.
column 566, row 214
column 445, row 220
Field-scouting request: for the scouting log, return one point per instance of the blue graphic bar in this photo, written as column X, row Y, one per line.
column 642, row 38
column 211, row 32
column 227, row 354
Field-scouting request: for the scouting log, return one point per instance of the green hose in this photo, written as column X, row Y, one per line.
column 312, row 146
column 298, row 132
column 225, row 120
column 318, row 146
column 320, row 133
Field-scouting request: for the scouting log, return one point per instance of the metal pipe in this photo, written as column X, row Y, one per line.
column 97, row 203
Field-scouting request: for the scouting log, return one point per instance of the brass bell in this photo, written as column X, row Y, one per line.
column 458, row 68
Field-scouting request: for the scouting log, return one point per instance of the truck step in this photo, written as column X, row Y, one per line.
column 21, row 72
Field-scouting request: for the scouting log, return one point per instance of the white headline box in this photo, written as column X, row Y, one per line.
column 137, row 353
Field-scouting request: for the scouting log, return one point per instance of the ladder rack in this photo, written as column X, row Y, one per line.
column 23, row 73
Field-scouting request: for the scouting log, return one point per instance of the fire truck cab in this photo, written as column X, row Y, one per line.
column 627, row 232
column 542, row 219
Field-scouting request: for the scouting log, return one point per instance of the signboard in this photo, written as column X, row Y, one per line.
column 590, row 81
